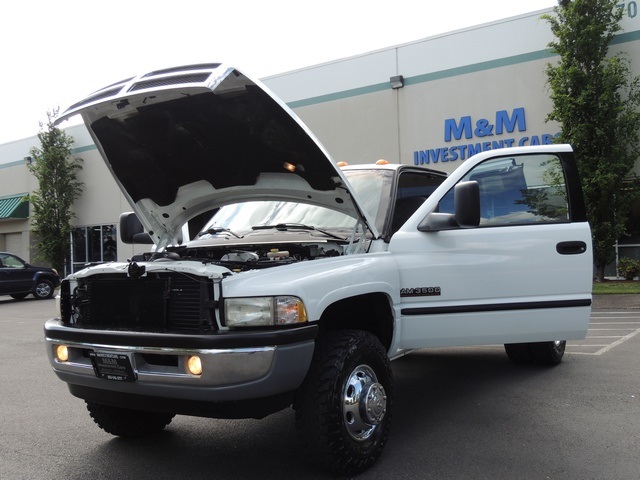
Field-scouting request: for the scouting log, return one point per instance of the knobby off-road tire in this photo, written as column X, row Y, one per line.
column 542, row 353
column 343, row 409
column 123, row 422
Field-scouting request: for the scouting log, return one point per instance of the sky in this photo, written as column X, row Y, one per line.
column 54, row 53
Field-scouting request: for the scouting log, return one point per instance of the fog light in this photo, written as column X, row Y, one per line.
column 194, row 365
column 62, row 353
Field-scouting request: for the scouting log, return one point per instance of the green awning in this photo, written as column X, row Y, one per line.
column 14, row 207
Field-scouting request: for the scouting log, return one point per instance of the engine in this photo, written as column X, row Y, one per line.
column 257, row 256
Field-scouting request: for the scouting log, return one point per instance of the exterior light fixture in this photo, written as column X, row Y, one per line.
column 62, row 353
column 397, row 81
column 194, row 365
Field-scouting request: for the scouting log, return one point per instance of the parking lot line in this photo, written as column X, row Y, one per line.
column 605, row 336
column 609, row 329
column 614, row 323
column 603, row 348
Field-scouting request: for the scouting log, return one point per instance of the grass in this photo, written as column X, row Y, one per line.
column 614, row 287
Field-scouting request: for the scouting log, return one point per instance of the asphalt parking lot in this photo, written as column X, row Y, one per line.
column 608, row 329
column 459, row 413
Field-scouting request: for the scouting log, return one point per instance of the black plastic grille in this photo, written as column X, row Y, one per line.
column 157, row 302
column 189, row 303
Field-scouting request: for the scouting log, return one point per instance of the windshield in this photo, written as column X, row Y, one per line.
column 370, row 187
column 242, row 217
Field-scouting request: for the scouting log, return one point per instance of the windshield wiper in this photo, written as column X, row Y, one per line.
column 297, row 226
column 217, row 230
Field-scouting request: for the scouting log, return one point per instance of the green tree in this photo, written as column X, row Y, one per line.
column 595, row 99
column 56, row 172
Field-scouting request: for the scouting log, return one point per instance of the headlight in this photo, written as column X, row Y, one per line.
column 264, row 311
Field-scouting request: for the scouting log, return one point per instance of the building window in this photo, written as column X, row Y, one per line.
column 93, row 245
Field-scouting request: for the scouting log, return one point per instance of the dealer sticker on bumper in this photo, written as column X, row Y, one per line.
column 113, row 366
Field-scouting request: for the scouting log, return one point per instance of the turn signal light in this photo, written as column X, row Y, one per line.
column 194, row 365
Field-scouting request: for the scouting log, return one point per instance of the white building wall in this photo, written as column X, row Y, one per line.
column 474, row 75
column 359, row 129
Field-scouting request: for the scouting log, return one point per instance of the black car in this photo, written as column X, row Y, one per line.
column 19, row 279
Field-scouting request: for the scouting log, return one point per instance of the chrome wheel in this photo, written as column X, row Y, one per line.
column 364, row 403
column 44, row 289
column 345, row 404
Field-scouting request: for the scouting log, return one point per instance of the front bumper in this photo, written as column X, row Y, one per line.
column 236, row 366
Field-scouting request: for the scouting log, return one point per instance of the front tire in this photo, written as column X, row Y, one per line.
column 123, row 422
column 44, row 289
column 19, row 296
column 343, row 409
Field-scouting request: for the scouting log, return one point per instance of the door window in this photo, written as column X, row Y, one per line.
column 9, row 261
column 518, row 190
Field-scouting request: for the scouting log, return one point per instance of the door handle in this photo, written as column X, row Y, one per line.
column 571, row 248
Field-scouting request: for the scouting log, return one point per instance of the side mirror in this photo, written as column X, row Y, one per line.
column 132, row 231
column 466, row 199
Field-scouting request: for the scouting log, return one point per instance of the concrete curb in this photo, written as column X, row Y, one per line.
column 623, row 301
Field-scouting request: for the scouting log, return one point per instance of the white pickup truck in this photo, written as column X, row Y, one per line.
column 279, row 279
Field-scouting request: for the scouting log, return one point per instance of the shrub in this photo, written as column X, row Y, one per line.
column 628, row 268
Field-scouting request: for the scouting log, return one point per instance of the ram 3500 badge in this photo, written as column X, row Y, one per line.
column 278, row 279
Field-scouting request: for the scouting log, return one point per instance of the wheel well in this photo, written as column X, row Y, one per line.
column 44, row 276
column 370, row 312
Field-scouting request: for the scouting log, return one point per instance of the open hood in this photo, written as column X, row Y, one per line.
column 183, row 141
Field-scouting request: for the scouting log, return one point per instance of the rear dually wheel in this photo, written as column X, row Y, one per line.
column 542, row 353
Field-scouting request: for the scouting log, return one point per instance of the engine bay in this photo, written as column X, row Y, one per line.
column 250, row 256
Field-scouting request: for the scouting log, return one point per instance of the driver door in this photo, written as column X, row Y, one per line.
column 522, row 275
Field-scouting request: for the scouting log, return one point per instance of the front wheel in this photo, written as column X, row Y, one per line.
column 44, row 289
column 123, row 422
column 343, row 409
